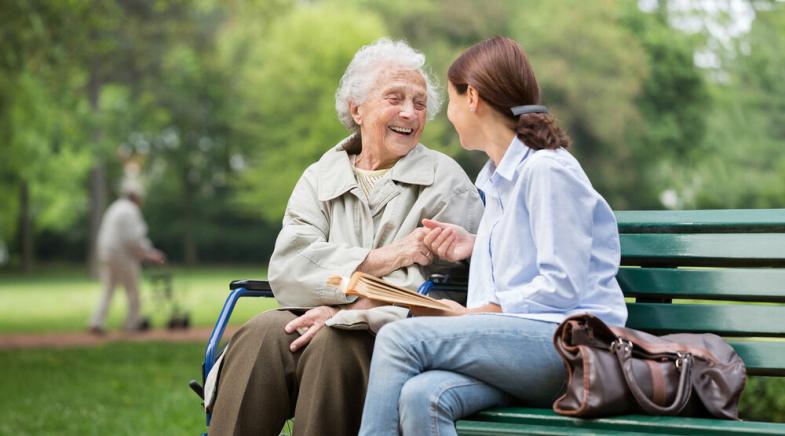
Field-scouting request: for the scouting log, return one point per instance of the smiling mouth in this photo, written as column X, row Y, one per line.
column 401, row 130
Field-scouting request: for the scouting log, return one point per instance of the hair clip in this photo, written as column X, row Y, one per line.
column 529, row 109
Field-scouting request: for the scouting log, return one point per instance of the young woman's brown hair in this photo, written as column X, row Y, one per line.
column 500, row 72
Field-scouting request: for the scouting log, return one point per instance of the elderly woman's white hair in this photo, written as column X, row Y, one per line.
column 362, row 71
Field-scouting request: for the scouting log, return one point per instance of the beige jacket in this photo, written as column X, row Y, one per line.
column 330, row 227
column 123, row 233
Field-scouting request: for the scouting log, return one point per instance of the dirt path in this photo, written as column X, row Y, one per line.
column 85, row 339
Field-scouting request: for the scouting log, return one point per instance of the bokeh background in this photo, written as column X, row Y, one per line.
column 218, row 106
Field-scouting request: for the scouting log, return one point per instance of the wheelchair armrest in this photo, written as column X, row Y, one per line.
column 450, row 282
column 454, row 278
column 238, row 289
column 251, row 285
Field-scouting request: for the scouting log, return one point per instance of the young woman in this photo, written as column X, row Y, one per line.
column 547, row 248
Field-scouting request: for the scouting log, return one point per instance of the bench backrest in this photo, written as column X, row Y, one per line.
column 718, row 271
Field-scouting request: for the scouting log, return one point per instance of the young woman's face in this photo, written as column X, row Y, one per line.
column 462, row 118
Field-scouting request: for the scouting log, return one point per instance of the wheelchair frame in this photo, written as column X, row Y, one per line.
column 261, row 288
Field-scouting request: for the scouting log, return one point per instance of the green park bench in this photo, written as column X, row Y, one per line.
column 718, row 271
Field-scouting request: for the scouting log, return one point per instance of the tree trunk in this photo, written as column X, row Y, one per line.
column 98, row 191
column 98, row 196
column 26, row 228
column 189, row 244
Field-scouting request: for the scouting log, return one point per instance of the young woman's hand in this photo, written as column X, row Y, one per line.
column 448, row 241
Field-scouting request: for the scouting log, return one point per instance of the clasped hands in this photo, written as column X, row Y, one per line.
column 434, row 240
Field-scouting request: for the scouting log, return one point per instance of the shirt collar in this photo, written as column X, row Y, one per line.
column 490, row 174
column 336, row 176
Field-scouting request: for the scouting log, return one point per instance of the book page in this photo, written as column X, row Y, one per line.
column 375, row 288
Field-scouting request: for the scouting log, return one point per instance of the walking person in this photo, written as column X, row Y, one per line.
column 121, row 247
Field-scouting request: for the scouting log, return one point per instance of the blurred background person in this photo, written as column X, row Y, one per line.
column 122, row 245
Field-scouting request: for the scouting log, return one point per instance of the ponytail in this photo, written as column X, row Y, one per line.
column 541, row 131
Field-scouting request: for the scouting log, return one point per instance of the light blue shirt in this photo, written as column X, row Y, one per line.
column 548, row 243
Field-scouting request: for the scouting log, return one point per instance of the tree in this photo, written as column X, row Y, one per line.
column 674, row 102
column 42, row 158
column 740, row 163
column 78, row 49
column 591, row 70
column 287, row 111
column 442, row 29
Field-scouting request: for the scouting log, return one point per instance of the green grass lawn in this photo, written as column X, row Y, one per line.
column 139, row 389
column 115, row 389
column 62, row 299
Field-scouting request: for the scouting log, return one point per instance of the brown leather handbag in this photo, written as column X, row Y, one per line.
column 617, row 370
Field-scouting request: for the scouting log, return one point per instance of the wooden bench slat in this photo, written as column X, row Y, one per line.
column 702, row 221
column 717, row 250
column 741, row 284
column 485, row 428
column 737, row 252
column 722, row 319
column 626, row 423
column 761, row 358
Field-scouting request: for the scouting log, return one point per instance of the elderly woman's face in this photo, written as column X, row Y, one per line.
column 392, row 118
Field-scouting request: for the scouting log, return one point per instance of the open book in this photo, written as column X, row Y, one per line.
column 374, row 288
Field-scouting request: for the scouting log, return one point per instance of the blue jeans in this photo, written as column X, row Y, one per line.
column 428, row 372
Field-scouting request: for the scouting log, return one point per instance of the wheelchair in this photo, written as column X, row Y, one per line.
column 451, row 283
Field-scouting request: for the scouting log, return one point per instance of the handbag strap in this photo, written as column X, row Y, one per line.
column 623, row 351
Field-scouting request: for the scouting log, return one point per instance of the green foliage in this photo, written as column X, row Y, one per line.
column 673, row 102
column 591, row 70
column 441, row 29
column 762, row 399
column 223, row 104
column 740, row 163
column 40, row 148
column 288, row 105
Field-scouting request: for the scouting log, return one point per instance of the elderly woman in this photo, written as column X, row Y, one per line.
column 356, row 209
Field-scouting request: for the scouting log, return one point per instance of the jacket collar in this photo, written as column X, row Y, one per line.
column 336, row 176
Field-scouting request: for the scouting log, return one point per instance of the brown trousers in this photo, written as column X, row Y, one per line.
column 263, row 384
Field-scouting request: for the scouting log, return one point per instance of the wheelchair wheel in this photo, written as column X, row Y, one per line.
column 179, row 322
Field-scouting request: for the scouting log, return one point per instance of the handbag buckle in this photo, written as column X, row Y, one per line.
column 681, row 358
column 626, row 345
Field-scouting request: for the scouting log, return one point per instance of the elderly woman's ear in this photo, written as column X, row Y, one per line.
column 354, row 111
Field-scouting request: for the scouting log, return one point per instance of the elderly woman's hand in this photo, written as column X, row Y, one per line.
column 308, row 324
column 402, row 253
column 448, row 241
